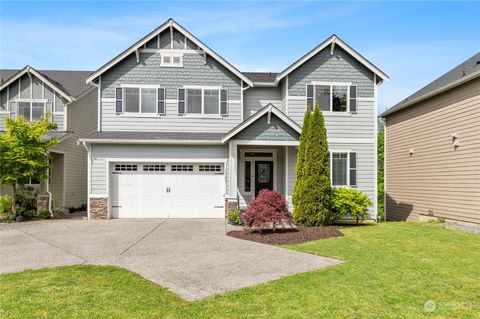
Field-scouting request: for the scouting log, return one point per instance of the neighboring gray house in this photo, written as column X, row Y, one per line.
column 182, row 133
column 72, row 104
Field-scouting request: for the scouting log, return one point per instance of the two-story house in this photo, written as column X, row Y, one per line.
column 72, row 104
column 181, row 133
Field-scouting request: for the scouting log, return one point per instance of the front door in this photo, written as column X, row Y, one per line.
column 263, row 175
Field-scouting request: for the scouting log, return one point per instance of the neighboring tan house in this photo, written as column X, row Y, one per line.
column 432, row 149
column 73, row 106
column 182, row 133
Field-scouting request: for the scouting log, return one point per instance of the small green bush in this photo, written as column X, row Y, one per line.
column 26, row 213
column 350, row 202
column 7, row 217
column 6, row 204
column 45, row 214
column 234, row 217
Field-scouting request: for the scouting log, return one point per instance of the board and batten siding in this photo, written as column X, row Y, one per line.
column 149, row 72
column 82, row 120
column 27, row 89
column 100, row 152
column 257, row 97
column 437, row 178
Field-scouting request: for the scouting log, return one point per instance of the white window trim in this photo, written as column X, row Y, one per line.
column 202, row 88
column 348, row 167
column 332, row 84
column 31, row 101
column 140, row 87
column 171, row 55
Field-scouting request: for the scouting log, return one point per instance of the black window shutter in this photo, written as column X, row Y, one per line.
column 223, row 102
column 118, row 100
column 310, row 97
column 181, row 101
column 161, row 101
column 353, row 99
column 353, row 168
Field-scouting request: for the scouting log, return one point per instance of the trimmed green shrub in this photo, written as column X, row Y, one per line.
column 6, row 202
column 7, row 217
column 350, row 202
column 234, row 217
column 44, row 214
column 312, row 191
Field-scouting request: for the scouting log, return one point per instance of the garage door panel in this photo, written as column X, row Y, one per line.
column 168, row 194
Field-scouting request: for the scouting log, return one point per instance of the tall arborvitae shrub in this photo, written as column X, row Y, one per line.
column 380, row 173
column 312, row 190
column 296, row 194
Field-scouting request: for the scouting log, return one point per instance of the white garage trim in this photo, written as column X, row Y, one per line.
column 109, row 162
column 168, row 160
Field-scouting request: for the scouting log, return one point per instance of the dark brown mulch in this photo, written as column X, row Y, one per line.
column 287, row 236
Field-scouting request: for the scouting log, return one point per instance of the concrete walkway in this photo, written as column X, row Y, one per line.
column 192, row 258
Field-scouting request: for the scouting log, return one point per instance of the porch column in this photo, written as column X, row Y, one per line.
column 233, row 166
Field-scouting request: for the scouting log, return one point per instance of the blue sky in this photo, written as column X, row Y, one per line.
column 413, row 42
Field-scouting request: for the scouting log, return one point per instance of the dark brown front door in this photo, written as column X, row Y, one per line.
column 263, row 175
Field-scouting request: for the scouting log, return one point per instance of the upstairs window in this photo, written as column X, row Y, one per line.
column 140, row 100
column 32, row 111
column 203, row 101
column 332, row 97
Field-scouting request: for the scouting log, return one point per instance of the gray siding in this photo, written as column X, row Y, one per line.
column 366, row 158
column 256, row 98
column 82, row 119
column 148, row 71
column 59, row 119
column 101, row 152
column 171, row 122
column 365, row 173
column 277, row 130
column 348, row 125
column 26, row 89
column 339, row 67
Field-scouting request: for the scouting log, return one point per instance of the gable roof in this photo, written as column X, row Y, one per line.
column 333, row 40
column 67, row 83
column 262, row 77
column 252, row 119
column 466, row 71
column 169, row 23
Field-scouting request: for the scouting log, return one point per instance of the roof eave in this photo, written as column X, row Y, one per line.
column 442, row 89
column 145, row 39
column 148, row 141
column 29, row 69
column 268, row 108
column 337, row 41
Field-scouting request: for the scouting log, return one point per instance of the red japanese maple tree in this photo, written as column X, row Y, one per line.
column 267, row 211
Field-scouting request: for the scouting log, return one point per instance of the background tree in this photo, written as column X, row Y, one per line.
column 380, row 170
column 312, row 190
column 23, row 152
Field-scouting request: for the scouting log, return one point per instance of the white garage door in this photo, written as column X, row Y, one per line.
column 177, row 190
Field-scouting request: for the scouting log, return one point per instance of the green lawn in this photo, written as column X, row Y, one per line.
column 391, row 270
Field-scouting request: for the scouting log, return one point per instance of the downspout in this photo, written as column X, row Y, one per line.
column 48, row 192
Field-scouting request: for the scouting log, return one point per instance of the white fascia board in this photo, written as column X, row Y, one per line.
column 148, row 37
column 324, row 45
column 140, row 141
column 268, row 108
column 449, row 86
column 29, row 69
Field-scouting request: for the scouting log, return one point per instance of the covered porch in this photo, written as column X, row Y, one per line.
column 262, row 154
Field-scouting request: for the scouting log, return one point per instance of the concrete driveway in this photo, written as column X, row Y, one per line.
column 192, row 258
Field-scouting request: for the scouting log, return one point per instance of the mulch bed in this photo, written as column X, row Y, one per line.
column 287, row 236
